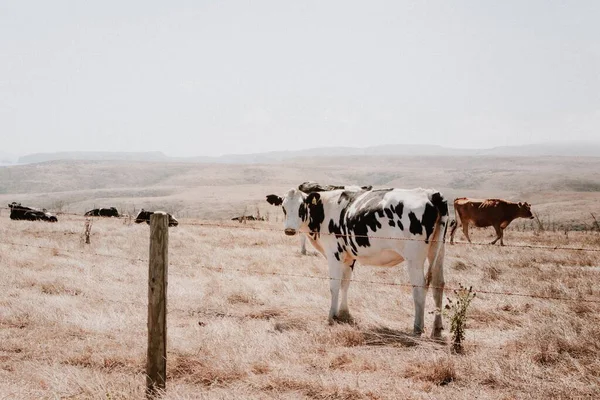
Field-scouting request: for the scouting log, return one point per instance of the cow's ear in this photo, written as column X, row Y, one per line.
column 520, row 204
column 275, row 200
column 313, row 199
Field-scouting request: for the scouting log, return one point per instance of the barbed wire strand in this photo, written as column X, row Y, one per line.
column 265, row 273
column 527, row 246
column 338, row 235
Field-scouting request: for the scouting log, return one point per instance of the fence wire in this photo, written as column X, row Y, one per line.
column 303, row 276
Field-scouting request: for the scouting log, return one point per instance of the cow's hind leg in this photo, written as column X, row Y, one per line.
column 465, row 228
column 499, row 235
column 435, row 277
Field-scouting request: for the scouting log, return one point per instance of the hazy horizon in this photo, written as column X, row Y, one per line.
column 213, row 78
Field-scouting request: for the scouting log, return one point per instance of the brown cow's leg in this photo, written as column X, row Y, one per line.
column 453, row 230
column 466, row 231
column 498, row 234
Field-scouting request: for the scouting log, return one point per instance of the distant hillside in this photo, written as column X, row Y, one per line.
column 7, row 158
column 568, row 149
column 94, row 156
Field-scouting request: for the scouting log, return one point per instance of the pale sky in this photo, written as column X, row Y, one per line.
column 213, row 77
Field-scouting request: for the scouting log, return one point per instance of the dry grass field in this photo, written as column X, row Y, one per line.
column 243, row 325
column 73, row 321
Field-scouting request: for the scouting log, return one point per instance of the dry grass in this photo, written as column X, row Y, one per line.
column 73, row 323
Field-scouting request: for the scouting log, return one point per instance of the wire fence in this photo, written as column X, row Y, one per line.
column 304, row 276
column 375, row 237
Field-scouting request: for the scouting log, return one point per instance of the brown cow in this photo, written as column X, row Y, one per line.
column 490, row 212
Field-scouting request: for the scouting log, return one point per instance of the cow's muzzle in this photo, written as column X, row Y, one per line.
column 290, row 232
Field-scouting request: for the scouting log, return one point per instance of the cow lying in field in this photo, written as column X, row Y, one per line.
column 313, row 187
column 20, row 212
column 489, row 212
column 103, row 212
column 243, row 218
column 144, row 216
column 376, row 227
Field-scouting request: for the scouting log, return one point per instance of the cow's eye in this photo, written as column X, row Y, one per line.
column 284, row 212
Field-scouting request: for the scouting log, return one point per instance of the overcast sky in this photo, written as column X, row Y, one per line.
column 213, row 77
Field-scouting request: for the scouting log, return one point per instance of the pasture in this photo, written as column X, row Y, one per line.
column 73, row 323
column 247, row 314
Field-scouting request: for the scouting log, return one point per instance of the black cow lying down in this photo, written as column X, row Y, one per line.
column 144, row 216
column 103, row 212
column 248, row 218
column 20, row 212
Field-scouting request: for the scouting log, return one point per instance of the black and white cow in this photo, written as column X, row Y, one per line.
column 103, row 212
column 376, row 227
column 20, row 212
column 313, row 187
column 144, row 216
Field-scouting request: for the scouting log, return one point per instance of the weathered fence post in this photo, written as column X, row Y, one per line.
column 156, row 366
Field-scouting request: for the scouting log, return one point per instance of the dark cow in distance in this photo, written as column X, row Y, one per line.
column 103, row 212
column 243, row 218
column 144, row 216
column 381, row 227
column 487, row 212
column 313, row 187
column 20, row 212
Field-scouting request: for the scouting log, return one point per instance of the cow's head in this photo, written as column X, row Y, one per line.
column 294, row 208
column 525, row 210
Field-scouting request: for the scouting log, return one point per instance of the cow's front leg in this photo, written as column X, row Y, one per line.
column 303, row 244
column 417, row 280
column 336, row 272
column 344, row 312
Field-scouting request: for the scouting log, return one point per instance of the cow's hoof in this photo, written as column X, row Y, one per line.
column 344, row 317
column 437, row 334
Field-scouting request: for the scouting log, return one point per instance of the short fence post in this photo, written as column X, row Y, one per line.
column 156, row 366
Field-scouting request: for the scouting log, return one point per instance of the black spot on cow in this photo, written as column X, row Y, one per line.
column 103, row 212
column 399, row 209
column 144, row 216
column 439, row 203
column 428, row 221
column 334, row 228
column 352, row 265
column 275, row 200
column 392, row 223
column 415, row 225
column 389, row 213
column 400, row 225
column 315, row 212
column 367, row 218
column 302, row 212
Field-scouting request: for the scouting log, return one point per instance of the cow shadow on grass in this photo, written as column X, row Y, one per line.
column 384, row 336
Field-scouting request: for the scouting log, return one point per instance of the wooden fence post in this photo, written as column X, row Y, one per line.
column 156, row 366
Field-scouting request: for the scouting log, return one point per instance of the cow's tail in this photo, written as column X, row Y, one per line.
column 435, row 272
column 441, row 224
